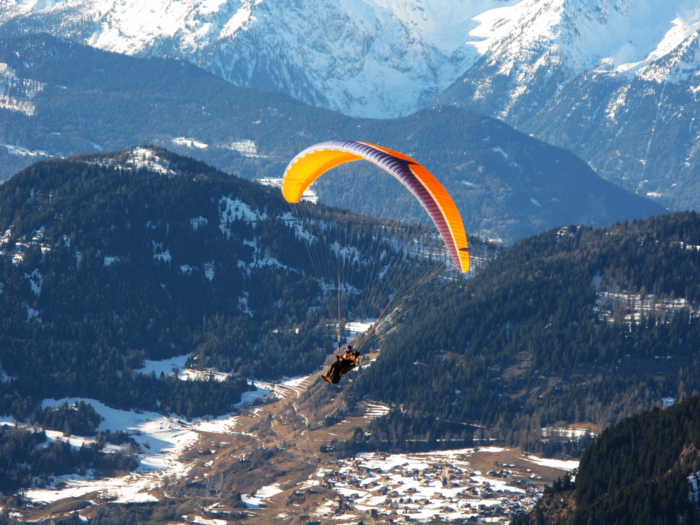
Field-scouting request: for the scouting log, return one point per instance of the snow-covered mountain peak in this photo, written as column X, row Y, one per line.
column 363, row 57
column 377, row 58
column 526, row 43
column 674, row 59
column 583, row 34
column 135, row 27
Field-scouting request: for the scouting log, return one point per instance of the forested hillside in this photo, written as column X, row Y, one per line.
column 65, row 98
column 645, row 469
column 111, row 259
column 573, row 325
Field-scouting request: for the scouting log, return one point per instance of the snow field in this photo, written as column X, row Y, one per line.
column 375, row 410
column 258, row 498
column 288, row 387
column 170, row 365
column 19, row 150
column 379, row 58
column 205, row 521
column 359, row 327
column 189, row 143
column 561, row 464
column 163, row 439
column 145, row 158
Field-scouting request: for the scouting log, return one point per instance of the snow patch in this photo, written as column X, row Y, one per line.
column 32, row 314
column 108, row 261
column 257, row 499
column 309, row 195
column 349, row 254
column 247, row 148
column 19, row 150
column 4, row 378
column 16, row 94
column 618, row 100
column 204, row 521
column 175, row 366
column 231, row 210
column 5, row 238
column 162, row 440
column 287, row 387
column 161, row 254
column 694, row 490
column 35, row 280
column 353, row 328
column 209, row 270
column 189, row 143
column 243, row 304
column 375, row 410
column 145, row 158
column 559, row 464
column 299, row 231
column 198, row 221
column 167, row 367
column 502, row 152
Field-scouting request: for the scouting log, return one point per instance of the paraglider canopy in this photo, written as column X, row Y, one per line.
column 316, row 160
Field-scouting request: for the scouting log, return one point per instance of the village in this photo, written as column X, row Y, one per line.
column 404, row 488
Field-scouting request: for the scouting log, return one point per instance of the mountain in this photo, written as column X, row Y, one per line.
column 67, row 98
column 141, row 288
column 562, row 333
column 644, row 469
column 113, row 266
column 614, row 82
column 364, row 58
column 109, row 260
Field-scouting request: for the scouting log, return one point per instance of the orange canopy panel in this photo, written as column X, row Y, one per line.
column 313, row 162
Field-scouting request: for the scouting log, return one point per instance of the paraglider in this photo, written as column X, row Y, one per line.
column 342, row 365
column 316, row 160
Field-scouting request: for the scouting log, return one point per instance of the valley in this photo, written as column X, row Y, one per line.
column 270, row 452
column 166, row 314
column 191, row 281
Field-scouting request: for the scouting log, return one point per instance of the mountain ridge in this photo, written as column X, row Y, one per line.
column 565, row 329
column 641, row 469
column 507, row 185
column 624, row 102
column 344, row 44
column 614, row 82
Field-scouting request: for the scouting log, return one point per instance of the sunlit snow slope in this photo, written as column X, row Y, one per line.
column 377, row 58
column 616, row 82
